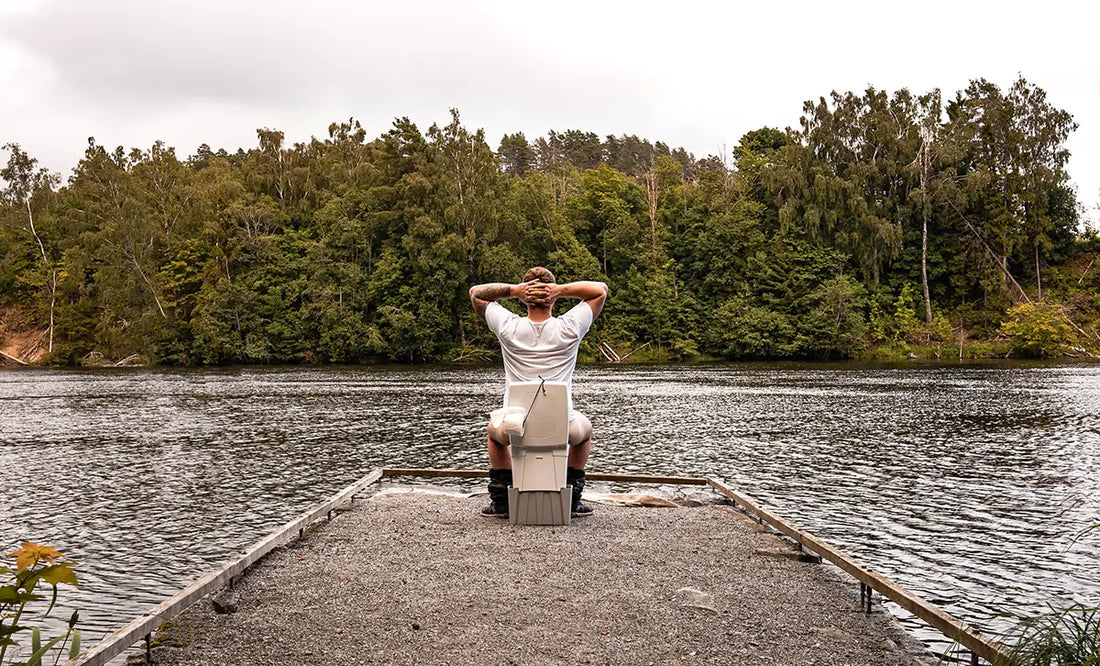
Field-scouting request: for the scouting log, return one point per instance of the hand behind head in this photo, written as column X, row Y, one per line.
column 537, row 294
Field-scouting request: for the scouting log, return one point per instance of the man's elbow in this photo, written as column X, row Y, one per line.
column 603, row 287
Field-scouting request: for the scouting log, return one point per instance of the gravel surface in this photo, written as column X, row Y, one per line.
column 419, row 578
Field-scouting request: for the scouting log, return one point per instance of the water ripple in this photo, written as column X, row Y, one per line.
column 966, row 484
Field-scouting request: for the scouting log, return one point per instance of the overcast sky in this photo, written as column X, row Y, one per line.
column 694, row 74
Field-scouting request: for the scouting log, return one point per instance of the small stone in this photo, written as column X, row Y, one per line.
column 416, row 626
column 227, row 602
column 693, row 598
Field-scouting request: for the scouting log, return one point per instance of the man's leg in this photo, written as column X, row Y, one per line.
column 500, row 451
column 500, row 473
column 580, row 445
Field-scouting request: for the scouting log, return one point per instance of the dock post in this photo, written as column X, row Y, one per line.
column 148, row 649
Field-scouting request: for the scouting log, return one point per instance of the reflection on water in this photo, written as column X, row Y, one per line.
column 964, row 484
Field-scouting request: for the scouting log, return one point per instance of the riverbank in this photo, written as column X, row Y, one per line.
column 972, row 350
column 1043, row 332
column 422, row 578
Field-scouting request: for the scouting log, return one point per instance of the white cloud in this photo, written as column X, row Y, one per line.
column 689, row 73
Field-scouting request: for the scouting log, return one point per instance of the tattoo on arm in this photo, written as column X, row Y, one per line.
column 492, row 292
column 484, row 294
column 479, row 307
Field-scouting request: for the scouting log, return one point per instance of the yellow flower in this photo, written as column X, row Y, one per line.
column 30, row 553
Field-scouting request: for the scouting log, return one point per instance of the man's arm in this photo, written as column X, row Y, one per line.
column 593, row 293
column 484, row 294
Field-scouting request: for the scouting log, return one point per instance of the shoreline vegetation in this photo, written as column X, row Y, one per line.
column 885, row 226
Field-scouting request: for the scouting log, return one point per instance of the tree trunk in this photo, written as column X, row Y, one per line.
column 1001, row 262
column 53, row 303
column 651, row 196
column 1038, row 279
column 924, row 273
column 605, row 251
column 874, row 266
column 46, row 261
column 152, row 290
column 926, row 211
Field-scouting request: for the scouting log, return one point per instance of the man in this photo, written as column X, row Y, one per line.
column 533, row 346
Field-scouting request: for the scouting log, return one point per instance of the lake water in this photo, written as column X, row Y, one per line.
column 966, row 484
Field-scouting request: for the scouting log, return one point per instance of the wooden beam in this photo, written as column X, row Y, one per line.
column 429, row 472
column 646, row 478
column 590, row 476
column 14, row 358
column 119, row 641
column 951, row 627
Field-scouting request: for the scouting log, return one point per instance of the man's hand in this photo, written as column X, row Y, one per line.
column 539, row 293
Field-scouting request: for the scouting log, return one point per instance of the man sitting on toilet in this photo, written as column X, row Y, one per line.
column 539, row 346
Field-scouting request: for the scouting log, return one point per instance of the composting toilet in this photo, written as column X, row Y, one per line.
column 536, row 419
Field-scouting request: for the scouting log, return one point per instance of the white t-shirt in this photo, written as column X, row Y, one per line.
column 547, row 348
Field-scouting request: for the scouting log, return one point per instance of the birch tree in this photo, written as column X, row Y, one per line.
column 26, row 183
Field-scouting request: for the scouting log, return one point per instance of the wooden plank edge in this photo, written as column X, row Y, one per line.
column 121, row 639
column 429, row 472
column 950, row 626
column 14, row 358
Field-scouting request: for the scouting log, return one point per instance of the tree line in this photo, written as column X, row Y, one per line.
column 882, row 219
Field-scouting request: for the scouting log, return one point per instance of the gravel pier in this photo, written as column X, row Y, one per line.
column 421, row 578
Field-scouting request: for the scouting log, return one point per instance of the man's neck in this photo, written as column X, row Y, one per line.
column 539, row 314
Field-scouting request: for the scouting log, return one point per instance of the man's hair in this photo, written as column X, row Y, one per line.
column 539, row 273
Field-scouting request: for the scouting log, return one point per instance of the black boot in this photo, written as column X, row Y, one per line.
column 575, row 478
column 499, row 481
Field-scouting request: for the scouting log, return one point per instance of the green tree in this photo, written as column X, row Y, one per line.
column 30, row 191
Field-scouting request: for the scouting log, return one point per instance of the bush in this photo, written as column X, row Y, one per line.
column 35, row 565
column 1038, row 329
column 739, row 330
column 899, row 325
column 835, row 326
column 941, row 329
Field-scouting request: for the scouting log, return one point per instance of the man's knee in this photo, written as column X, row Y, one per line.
column 580, row 430
column 498, row 436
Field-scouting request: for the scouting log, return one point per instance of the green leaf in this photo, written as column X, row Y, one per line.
column 36, row 647
column 58, row 574
column 16, row 597
column 53, row 601
column 74, row 649
column 36, row 658
column 26, row 579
